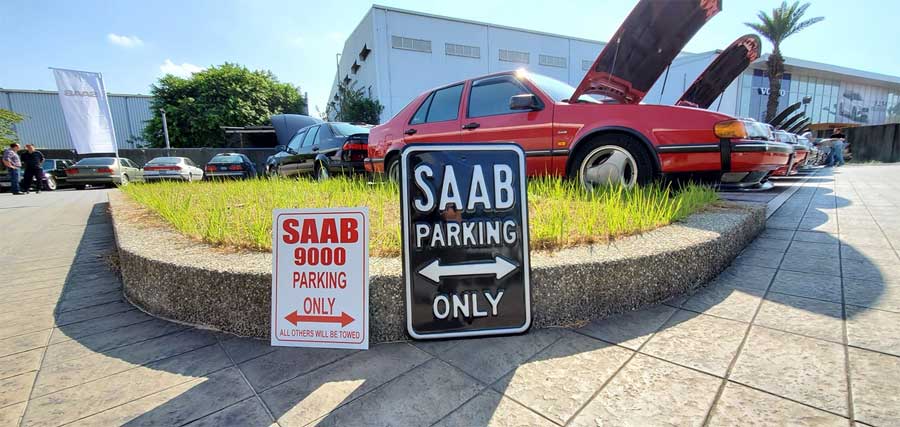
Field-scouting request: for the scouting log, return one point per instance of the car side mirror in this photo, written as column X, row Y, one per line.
column 280, row 148
column 525, row 101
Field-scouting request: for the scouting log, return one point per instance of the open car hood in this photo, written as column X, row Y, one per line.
column 286, row 125
column 646, row 43
column 721, row 72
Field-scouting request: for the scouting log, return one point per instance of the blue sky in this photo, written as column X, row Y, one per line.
column 132, row 42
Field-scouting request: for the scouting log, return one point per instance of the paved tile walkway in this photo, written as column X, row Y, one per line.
column 803, row 329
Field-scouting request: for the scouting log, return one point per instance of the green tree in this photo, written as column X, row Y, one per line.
column 352, row 105
column 7, row 133
column 227, row 95
column 784, row 22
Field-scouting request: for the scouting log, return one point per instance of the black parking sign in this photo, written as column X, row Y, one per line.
column 465, row 240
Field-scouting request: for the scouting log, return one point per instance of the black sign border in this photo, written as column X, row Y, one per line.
column 404, row 223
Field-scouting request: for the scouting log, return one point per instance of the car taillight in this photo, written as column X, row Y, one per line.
column 71, row 171
column 210, row 168
column 236, row 167
column 730, row 129
column 354, row 145
column 104, row 170
column 355, row 151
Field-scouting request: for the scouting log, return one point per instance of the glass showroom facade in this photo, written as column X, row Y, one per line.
column 832, row 100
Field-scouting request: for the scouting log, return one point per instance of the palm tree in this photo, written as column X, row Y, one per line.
column 784, row 22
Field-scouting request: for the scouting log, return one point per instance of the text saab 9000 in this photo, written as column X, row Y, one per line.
column 567, row 131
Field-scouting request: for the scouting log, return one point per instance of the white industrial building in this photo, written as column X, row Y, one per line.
column 395, row 55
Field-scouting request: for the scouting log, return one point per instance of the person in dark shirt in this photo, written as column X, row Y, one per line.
column 32, row 160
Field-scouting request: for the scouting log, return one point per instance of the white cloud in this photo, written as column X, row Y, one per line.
column 184, row 69
column 124, row 41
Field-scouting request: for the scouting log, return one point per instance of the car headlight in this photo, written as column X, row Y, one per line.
column 731, row 129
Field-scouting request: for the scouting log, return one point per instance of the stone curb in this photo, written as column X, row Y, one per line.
column 173, row 277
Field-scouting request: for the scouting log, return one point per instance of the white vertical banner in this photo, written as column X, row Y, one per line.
column 86, row 109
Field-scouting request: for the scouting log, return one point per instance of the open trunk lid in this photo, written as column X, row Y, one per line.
column 641, row 49
column 730, row 63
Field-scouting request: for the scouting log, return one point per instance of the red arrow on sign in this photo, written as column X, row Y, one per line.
column 344, row 319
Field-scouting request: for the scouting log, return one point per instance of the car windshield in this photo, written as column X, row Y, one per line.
column 48, row 164
column 346, row 129
column 226, row 159
column 165, row 161
column 97, row 161
column 556, row 89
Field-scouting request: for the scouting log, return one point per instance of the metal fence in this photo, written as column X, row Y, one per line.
column 199, row 155
column 875, row 143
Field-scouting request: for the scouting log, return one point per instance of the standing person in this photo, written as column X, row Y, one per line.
column 33, row 161
column 837, row 150
column 13, row 165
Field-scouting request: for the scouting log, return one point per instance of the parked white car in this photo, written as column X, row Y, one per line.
column 180, row 168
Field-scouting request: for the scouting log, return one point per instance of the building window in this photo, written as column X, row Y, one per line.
column 586, row 64
column 552, row 61
column 347, row 79
column 406, row 43
column 514, row 56
column 354, row 68
column 462, row 50
column 364, row 53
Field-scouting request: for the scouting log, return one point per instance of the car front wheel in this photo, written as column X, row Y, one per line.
column 612, row 160
column 322, row 172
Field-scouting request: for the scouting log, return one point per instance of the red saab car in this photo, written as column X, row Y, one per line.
column 567, row 131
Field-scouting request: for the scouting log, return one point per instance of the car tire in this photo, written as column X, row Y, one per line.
column 612, row 159
column 124, row 181
column 392, row 168
column 50, row 185
column 322, row 172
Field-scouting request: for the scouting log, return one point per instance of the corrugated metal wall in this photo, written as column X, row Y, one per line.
column 45, row 127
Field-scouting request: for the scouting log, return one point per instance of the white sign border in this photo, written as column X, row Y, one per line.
column 364, row 345
column 404, row 174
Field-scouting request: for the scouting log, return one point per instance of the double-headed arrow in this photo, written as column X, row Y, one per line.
column 500, row 267
column 344, row 319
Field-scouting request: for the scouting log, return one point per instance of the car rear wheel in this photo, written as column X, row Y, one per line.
column 612, row 160
column 393, row 169
column 50, row 184
column 322, row 172
column 124, row 181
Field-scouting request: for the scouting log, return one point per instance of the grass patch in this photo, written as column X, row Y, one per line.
column 238, row 214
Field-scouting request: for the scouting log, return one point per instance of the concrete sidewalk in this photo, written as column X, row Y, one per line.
column 803, row 329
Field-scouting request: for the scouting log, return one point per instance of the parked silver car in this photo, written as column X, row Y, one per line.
column 179, row 168
column 106, row 171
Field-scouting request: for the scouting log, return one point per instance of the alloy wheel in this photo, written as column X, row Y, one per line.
column 608, row 165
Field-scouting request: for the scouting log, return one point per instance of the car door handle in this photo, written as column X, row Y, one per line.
column 470, row 126
column 410, row 132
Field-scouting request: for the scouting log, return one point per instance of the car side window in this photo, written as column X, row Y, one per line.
column 296, row 140
column 310, row 137
column 422, row 112
column 490, row 97
column 445, row 104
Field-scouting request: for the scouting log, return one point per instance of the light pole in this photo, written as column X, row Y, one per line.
column 165, row 128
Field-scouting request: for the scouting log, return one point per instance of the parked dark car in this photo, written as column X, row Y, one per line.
column 54, row 175
column 322, row 150
column 230, row 165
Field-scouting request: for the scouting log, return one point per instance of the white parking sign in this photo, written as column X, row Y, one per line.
column 320, row 278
